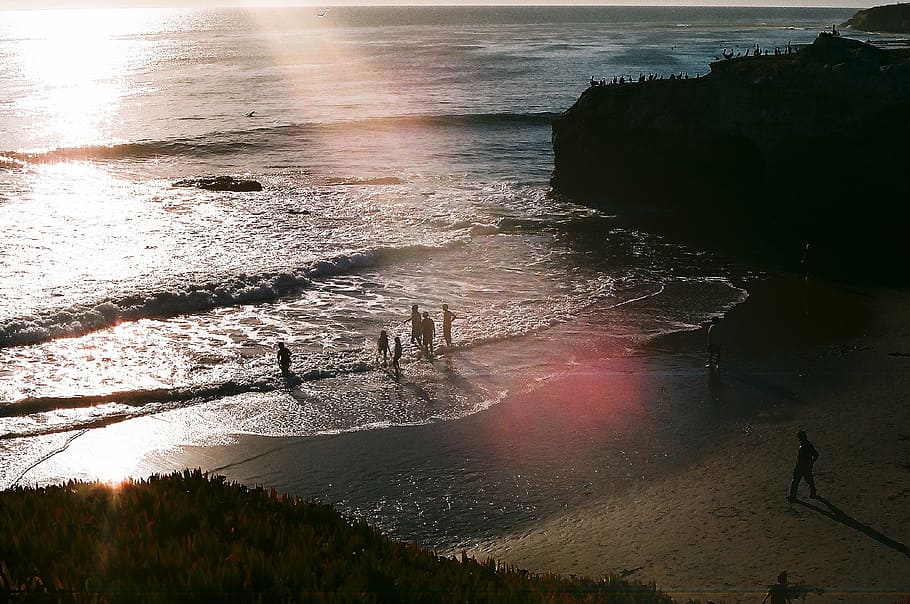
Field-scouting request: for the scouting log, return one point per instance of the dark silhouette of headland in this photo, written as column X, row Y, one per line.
column 891, row 18
column 765, row 153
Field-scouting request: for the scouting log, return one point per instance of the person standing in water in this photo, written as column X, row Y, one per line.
column 415, row 325
column 396, row 358
column 447, row 318
column 284, row 359
column 382, row 348
column 428, row 331
column 715, row 339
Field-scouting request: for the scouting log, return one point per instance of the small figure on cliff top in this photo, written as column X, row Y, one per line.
column 779, row 593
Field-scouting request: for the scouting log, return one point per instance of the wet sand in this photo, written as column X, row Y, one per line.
column 648, row 465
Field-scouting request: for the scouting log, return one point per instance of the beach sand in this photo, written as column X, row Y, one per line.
column 720, row 529
column 647, row 465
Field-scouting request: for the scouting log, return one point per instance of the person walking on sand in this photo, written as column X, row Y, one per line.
column 447, row 318
column 428, row 331
column 780, row 592
column 715, row 339
column 396, row 358
column 415, row 325
column 805, row 460
column 284, row 359
column 382, row 348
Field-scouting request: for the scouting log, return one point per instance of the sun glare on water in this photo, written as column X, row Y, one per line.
column 76, row 62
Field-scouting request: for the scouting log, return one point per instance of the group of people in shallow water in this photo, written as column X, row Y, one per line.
column 423, row 334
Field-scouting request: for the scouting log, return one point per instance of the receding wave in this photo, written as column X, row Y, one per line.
column 255, row 139
column 134, row 398
column 137, row 403
column 182, row 300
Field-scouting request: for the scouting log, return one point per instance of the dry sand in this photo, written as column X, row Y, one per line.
column 721, row 529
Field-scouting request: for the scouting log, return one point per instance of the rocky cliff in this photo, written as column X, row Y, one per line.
column 892, row 18
column 772, row 151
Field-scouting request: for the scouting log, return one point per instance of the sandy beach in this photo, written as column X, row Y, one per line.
column 720, row 529
column 646, row 465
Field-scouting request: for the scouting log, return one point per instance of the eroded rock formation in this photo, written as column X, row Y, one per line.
column 773, row 150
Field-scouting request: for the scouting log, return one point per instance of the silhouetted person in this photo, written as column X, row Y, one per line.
column 284, row 358
column 805, row 261
column 780, row 592
column 447, row 318
column 396, row 357
column 415, row 324
column 715, row 340
column 428, row 331
column 382, row 347
column 805, row 459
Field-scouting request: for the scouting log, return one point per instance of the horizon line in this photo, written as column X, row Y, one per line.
column 215, row 4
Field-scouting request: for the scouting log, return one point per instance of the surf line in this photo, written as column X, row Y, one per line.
column 45, row 457
column 639, row 298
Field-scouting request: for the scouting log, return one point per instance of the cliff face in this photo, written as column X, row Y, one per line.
column 893, row 18
column 810, row 146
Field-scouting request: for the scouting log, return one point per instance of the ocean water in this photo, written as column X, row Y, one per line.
column 404, row 155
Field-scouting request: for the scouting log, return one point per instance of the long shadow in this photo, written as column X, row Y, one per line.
column 291, row 380
column 837, row 514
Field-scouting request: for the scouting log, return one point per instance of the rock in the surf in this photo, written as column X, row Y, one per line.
column 220, row 183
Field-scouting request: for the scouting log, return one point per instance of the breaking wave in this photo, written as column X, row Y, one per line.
column 188, row 299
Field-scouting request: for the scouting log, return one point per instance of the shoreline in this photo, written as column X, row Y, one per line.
column 644, row 465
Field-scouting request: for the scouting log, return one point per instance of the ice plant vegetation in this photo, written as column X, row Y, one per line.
column 198, row 538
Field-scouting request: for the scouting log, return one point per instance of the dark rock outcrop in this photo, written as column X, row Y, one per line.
column 762, row 155
column 220, row 183
column 892, row 18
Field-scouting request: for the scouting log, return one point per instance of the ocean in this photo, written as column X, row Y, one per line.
column 404, row 155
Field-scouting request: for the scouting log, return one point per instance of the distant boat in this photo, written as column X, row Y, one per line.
column 323, row 13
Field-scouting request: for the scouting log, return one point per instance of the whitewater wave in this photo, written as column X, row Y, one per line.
column 239, row 290
column 257, row 139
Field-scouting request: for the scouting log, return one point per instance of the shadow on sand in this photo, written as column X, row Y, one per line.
column 837, row 514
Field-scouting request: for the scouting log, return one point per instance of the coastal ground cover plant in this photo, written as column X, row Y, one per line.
column 190, row 537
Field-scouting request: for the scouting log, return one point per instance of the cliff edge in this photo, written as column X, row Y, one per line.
column 762, row 155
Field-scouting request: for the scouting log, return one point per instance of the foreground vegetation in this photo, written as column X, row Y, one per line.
column 194, row 538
